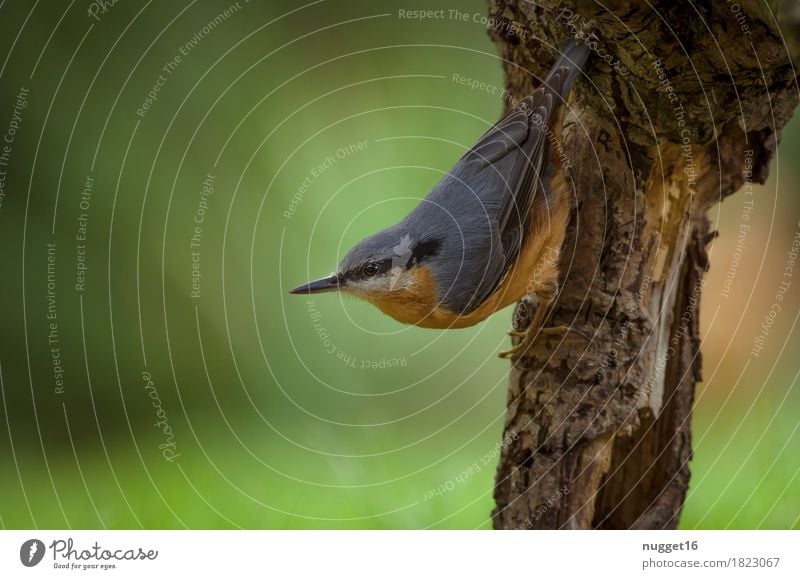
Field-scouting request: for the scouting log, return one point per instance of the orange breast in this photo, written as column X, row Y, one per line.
column 536, row 267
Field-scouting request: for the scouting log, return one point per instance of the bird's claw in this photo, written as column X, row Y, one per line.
column 513, row 353
column 527, row 337
column 563, row 330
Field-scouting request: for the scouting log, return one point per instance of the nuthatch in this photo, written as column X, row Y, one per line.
column 489, row 232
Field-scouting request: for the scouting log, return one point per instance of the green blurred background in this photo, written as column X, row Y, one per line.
column 314, row 125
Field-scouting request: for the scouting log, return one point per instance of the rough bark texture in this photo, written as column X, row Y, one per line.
column 682, row 100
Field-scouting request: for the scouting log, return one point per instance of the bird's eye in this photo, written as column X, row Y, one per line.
column 370, row 269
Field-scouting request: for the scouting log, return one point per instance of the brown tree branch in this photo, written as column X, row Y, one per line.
column 683, row 104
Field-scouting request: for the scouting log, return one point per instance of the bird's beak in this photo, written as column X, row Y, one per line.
column 326, row 284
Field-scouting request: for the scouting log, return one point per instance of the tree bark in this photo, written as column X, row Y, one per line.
column 682, row 104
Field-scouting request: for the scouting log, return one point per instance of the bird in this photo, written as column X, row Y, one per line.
column 487, row 235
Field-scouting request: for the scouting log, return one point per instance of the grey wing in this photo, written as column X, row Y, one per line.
column 494, row 190
column 504, row 170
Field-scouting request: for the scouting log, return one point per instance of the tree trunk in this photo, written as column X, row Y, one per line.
column 682, row 104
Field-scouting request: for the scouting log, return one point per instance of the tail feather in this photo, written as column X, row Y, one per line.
column 567, row 67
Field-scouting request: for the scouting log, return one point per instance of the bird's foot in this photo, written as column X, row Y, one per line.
column 531, row 314
column 563, row 330
column 530, row 310
column 519, row 349
column 514, row 354
column 526, row 338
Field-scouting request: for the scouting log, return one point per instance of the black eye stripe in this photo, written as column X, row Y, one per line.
column 384, row 265
column 360, row 272
column 425, row 249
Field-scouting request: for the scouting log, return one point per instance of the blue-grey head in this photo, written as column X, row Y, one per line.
column 378, row 267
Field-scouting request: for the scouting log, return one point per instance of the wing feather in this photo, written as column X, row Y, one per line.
column 491, row 193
